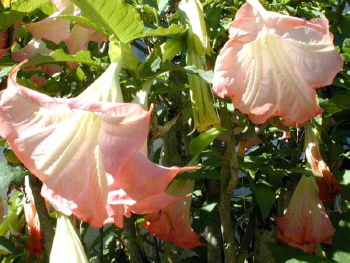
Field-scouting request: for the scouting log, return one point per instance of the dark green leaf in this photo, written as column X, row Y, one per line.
column 337, row 103
column 265, row 197
column 6, row 246
column 18, row 10
column 284, row 254
column 341, row 239
column 10, row 175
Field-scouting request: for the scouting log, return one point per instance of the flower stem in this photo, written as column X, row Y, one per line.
column 44, row 217
column 229, row 179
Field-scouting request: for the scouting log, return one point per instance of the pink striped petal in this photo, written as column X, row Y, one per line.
column 80, row 36
column 306, row 221
column 273, row 63
column 68, row 143
column 53, row 28
column 173, row 222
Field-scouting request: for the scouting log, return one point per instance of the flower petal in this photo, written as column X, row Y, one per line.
column 53, row 28
column 66, row 245
column 328, row 185
column 272, row 64
column 35, row 241
column 173, row 223
column 140, row 185
column 70, row 144
column 80, row 36
column 306, row 220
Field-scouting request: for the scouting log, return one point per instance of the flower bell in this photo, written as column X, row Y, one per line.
column 328, row 185
column 272, row 64
column 66, row 245
column 305, row 222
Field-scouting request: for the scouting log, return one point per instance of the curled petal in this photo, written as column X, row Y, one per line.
column 273, row 63
column 306, row 221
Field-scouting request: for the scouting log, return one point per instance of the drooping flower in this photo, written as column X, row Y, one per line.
column 35, row 47
column 57, row 29
column 272, row 64
column 66, row 245
column 204, row 113
column 35, row 241
column 85, row 150
column 173, row 223
column 328, row 185
column 305, row 222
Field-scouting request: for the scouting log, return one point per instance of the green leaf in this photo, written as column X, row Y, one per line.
column 265, row 197
column 341, row 239
column 153, row 66
column 337, row 103
column 86, row 21
column 116, row 17
column 284, row 254
column 206, row 75
column 172, row 31
column 6, row 246
column 60, row 56
column 18, row 10
column 201, row 142
column 171, row 48
column 10, row 175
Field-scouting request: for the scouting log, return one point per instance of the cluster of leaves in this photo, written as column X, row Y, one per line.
column 154, row 45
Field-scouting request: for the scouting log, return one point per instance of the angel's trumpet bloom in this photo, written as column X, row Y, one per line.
column 272, row 64
column 173, row 223
column 57, row 29
column 35, row 241
column 85, row 150
column 35, row 47
column 328, row 185
column 66, row 245
column 305, row 222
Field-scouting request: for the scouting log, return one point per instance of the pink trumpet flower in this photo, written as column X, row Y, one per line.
column 35, row 241
column 86, row 149
column 57, row 29
column 35, row 47
column 328, row 185
column 173, row 223
column 272, row 64
column 306, row 222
